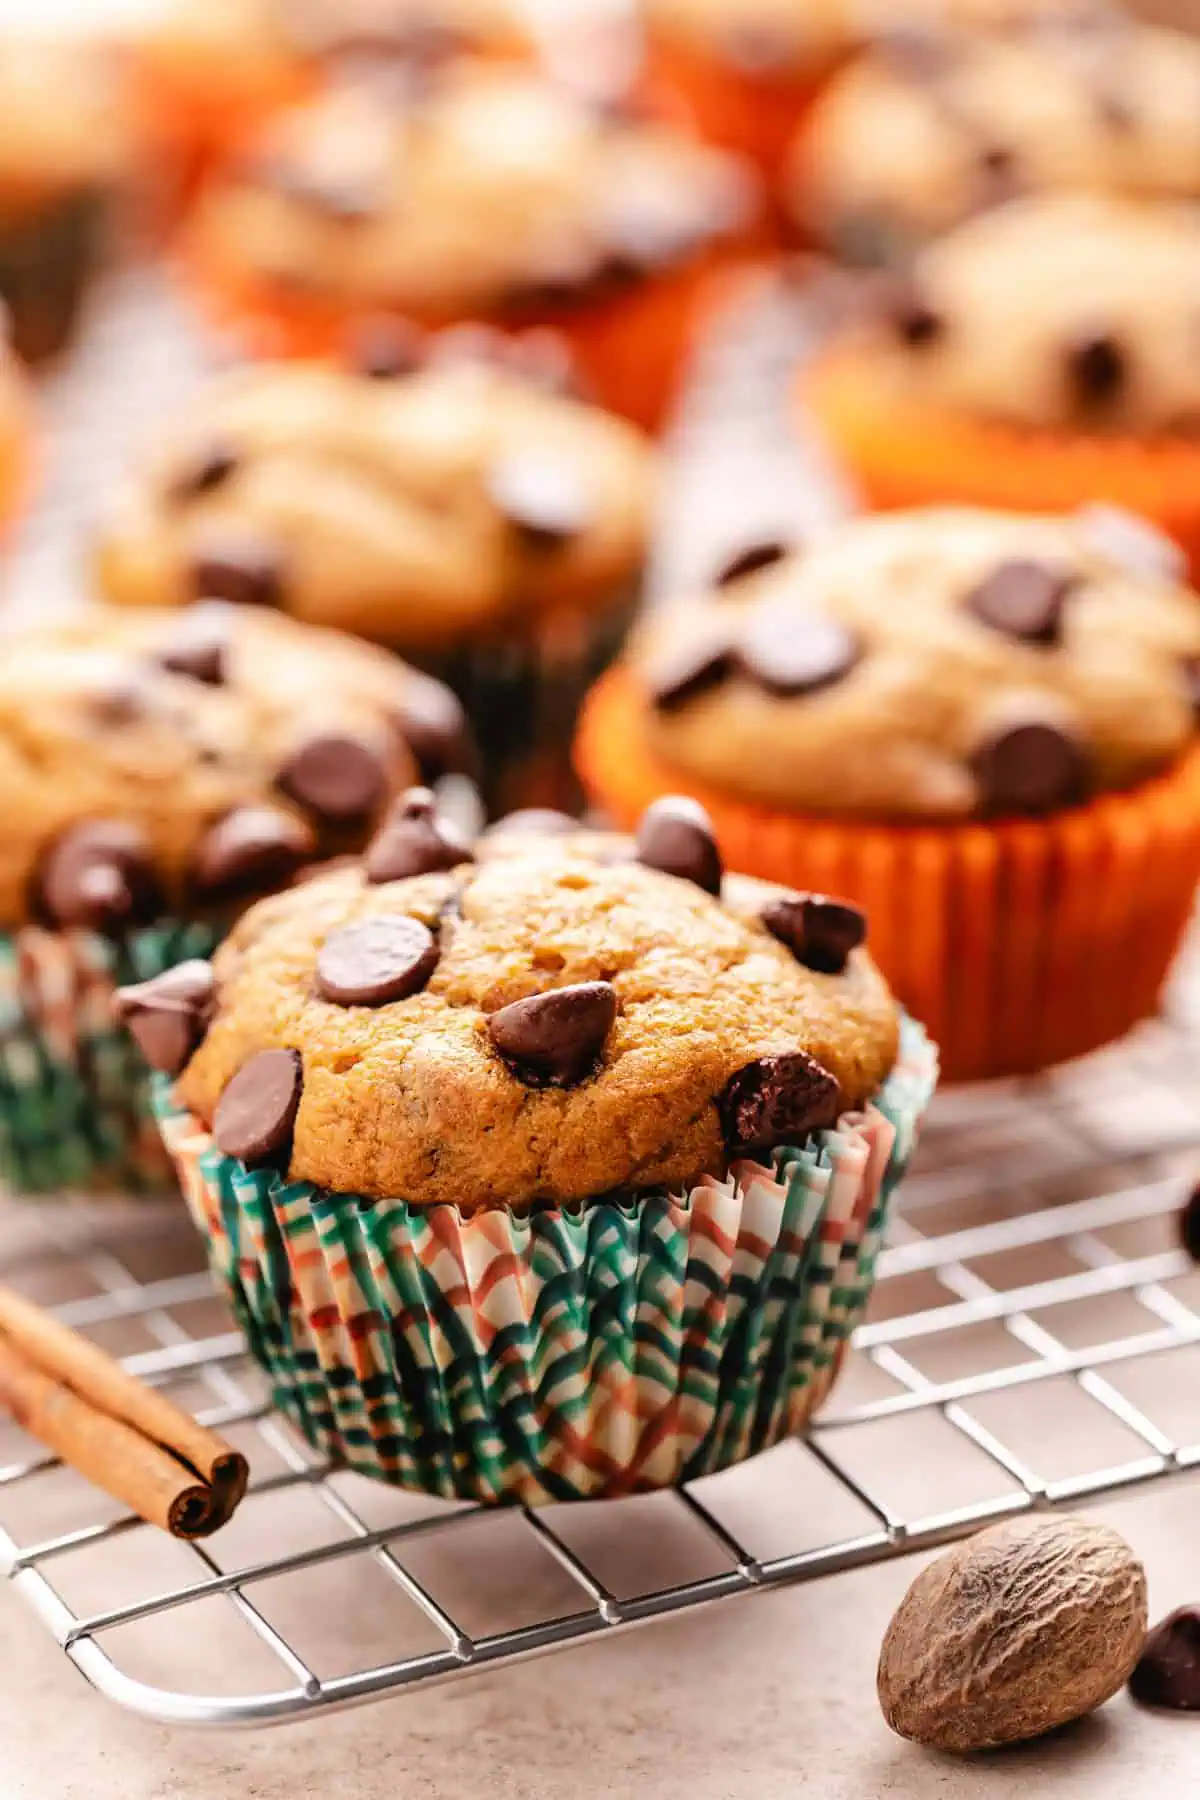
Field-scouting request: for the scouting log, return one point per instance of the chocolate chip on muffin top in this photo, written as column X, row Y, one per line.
column 558, row 1019
column 940, row 663
column 160, row 763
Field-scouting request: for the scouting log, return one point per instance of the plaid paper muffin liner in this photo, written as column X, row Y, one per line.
column 570, row 1353
column 75, row 1110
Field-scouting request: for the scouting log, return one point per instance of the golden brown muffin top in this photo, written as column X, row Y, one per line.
column 547, row 1025
column 481, row 188
column 153, row 763
column 907, row 141
column 414, row 505
column 933, row 664
column 1061, row 311
column 66, row 128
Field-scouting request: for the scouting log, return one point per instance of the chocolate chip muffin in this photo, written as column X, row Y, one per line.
column 963, row 720
column 930, row 130
column 555, row 1056
column 430, row 498
column 161, row 771
column 484, row 192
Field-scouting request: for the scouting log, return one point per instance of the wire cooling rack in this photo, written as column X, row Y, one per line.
column 1034, row 1338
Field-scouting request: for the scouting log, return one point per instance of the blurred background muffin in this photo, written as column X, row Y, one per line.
column 970, row 724
column 483, row 193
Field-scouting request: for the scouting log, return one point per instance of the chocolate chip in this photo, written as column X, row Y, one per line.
column 376, row 961
column 387, row 349
column 676, row 837
column 545, row 497
column 533, row 821
column 1096, row 369
column 239, row 566
column 251, row 850
column 1024, row 600
column 1168, row 1673
column 338, row 777
column 256, row 1115
column 914, row 321
column 791, row 653
column 1131, row 542
column 555, row 1038
column 98, row 876
column 909, row 51
column 1189, row 1225
column 999, row 175
column 1191, row 677
column 413, row 840
column 169, row 1014
column 778, row 1100
column 681, row 669
column 200, row 647
column 750, row 560
column 432, row 722
column 755, row 48
column 208, row 470
column 820, row 933
column 1030, row 768
column 1115, row 110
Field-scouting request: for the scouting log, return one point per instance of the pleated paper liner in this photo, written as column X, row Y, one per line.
column 1018, row 943
column 75, row 1113
column 902, row 455
column 563, row 1353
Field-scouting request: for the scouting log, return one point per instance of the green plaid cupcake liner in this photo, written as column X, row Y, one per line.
column 564, row 1354
column 75, row 1112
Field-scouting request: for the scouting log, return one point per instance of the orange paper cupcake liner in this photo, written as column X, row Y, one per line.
column 1018, row 944
column 901, row 456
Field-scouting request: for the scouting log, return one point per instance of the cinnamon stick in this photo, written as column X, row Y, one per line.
column 125, row 1437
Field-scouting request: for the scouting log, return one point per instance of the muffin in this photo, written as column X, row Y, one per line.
column 1037, row 357
column 65, row 152
column 488, row 193
column 927, row 131
column 552, row 1175
column 17, row 434
column 161, row 771
column 435, row 500
column 979, row 726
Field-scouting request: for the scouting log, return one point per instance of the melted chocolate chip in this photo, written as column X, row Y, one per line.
column 676, row 837
column 1030, row 768
column 238, row 566
column 338, row 777
column 1096, row 370
column 168, row 1015
column 820, row 933
column 545, row 497
column 431, row 720
column 778, row 1100
column 750, row 560
column 1168, row 1672
column 792, row 653
column 1024, row 600
column 555, row 1038
column 208, row 470
column 98, row 876
column 376, row 961
column 1130, row 542
column 413, row 840
column 1189, row 1225
column 200, row 647
column 387, row 349
column 678, row 671
column 251, row 850
column 256, row 1115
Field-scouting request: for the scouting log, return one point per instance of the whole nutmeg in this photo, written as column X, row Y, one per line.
column 1023, row 1628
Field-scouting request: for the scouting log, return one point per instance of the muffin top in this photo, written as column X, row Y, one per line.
column 481, row 188
column 1062, row 311
column 418, row 505
column 156, row 764
column 940, row 664
column 912, row 138
column 566, row 1018
column 66, row 127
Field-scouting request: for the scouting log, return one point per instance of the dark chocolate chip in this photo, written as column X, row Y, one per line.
column 98, row 876
column 1191, row 677
column 545, row 497
column 676, row 837
column 376, row 961
column 335, row 775
column 1030, row 768
column 1096, row 369
column 413, row 840
column 533, row 821
column 168, row 1015
column 915, row 322
column 820, row 933
column 681, row 669
column 790, row 652
column 1189, row 1225
column 750, row 560
column 200, row 646
column 1131, row 542
column 1115, row 110
column 999, row 175
column 238, row 566
column 778, row 1100
column 918, row 55
column 251, row 850
column 431, row 720
column 256, row 1115
column 1168, row 1672
column 1024, row 600
column 555, row 1038
column 386, row 349
column 208, row 470
column 119, row 700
